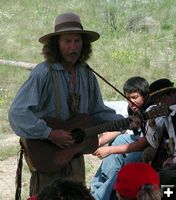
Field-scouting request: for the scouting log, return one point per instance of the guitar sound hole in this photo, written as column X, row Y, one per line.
column 78, row 135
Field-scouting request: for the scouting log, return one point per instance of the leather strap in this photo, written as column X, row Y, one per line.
column 19, row 174
column 56, row 89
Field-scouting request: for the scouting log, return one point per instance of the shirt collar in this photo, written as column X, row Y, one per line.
column 59, row 67
column 173, row 110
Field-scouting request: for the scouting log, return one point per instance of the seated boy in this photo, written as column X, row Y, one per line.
column 114, row 156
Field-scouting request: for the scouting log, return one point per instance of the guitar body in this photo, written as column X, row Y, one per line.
column 45, row 156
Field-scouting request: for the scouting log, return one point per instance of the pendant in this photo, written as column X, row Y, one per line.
column 73, row 102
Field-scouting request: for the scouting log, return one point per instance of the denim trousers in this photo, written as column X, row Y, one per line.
column 104, row 179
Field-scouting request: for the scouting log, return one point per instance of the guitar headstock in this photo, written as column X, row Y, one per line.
column 158, row 111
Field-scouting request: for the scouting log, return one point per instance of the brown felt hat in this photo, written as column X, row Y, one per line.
column 69, row 23
column 159, row 87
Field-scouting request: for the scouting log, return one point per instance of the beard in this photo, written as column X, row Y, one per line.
column 72, row 57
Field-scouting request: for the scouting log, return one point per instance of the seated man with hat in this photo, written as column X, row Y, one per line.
column 161, row 132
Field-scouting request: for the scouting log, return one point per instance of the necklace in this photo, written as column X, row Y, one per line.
column 74, row 96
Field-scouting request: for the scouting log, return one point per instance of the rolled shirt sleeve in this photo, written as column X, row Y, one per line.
column 24, row 115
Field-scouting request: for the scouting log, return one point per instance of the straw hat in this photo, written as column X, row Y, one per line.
column 69, row 23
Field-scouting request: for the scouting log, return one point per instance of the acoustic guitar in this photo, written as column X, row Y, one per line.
column 45, row 156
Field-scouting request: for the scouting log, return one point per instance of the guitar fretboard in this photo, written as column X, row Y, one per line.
column 117, row 125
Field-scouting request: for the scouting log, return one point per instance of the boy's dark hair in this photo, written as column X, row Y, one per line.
column 65, row 190
column 137, row 84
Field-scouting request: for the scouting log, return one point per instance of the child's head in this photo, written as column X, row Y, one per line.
column 162, row 91
column 136, row 89
column 136, row 181
column 65, row 190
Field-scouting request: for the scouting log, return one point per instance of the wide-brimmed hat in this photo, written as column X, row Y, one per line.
column 159, row 87
column 133, row 176
column 69, row 23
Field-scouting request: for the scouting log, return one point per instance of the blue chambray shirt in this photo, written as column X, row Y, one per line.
column 36, row 99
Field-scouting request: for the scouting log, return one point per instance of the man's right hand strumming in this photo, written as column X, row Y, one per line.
column 61, row 137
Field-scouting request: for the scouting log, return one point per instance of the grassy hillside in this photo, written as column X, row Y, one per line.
column 137, row 37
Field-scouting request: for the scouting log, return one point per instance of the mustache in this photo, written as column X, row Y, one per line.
column 73, row 53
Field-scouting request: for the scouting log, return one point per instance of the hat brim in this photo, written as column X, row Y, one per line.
column 160, row 92
column 92, row 35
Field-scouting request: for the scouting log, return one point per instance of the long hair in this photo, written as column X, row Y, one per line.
column 52, row 53
column 149, row 192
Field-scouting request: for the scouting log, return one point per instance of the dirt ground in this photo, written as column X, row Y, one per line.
column 8, row 170
column 7, row 178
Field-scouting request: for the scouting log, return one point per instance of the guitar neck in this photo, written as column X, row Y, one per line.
column 117, row 125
